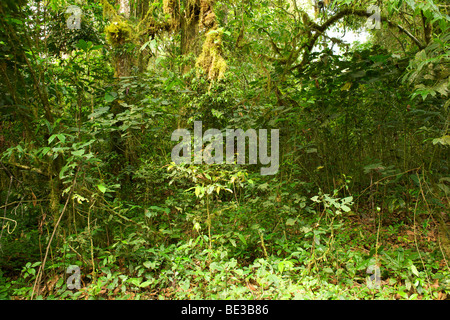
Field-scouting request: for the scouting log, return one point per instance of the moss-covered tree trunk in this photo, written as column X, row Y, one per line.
column 189, row 34
column 119, row 34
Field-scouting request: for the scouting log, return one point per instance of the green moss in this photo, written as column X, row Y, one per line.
column 118, row 33
column 169, row 6
column 211, row 60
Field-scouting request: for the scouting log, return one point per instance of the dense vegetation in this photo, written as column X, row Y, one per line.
column 90, row 96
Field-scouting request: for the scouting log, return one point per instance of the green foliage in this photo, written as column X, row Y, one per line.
column 86, row 165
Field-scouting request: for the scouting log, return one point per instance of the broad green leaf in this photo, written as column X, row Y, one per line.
column 146, row 283
column 415, row 178
column 63, row 170
column 98, row 112
column 61, row 137
column 290, row 222
column 45, row 150
column 102, row 188
column 281, row 266
column 78, row 153
column 345, row 208
column 110, row 96
column 82, row 45
column 52, row 137
column 242, row 238
column 414, row 270
column 347, row 200
column 445, row 140
column 328, row 270
column 135, row 281
column 60, row 283
column 197, row 191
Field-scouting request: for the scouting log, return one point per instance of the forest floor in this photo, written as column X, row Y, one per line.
column 408, row 264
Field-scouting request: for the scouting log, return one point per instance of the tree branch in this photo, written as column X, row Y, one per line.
column 343, row 13
column 21, row 166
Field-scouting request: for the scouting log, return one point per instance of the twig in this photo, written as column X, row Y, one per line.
column 21, row 166
column 42, row 266
column 92, row 243
column 387, row 177
column 6, row 201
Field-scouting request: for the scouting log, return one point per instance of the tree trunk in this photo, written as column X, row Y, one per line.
column 122, row 67
column 124, row 8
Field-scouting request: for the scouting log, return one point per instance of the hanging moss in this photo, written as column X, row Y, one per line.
column 205, row 5
column 211, row 60
column 207, row 15
column 108, row 10
column 118, row 33
column 169, row 6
